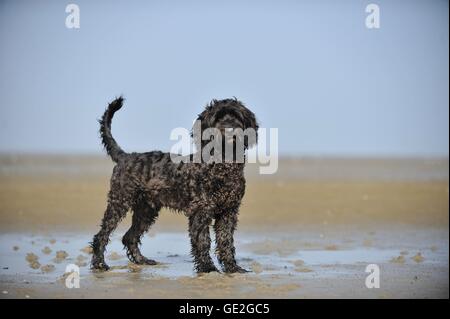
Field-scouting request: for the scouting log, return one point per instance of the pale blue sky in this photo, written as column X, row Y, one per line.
column 310, row 68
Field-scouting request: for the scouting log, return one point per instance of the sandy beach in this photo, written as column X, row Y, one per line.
column 308, row 231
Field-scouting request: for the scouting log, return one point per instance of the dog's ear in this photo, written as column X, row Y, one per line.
column 250, row 122
column 194, row 133
column 248, row 116
column 203, row 118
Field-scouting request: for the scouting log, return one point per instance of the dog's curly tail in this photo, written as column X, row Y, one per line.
column 112, row 148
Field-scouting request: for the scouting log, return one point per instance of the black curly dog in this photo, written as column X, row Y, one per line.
column 204, row 191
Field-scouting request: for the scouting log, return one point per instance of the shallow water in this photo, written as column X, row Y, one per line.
column 267, row 254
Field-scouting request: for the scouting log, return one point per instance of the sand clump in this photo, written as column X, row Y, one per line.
column 46, row 250
column 398, row 260
column 33, row 260
column 34, row 265
column 86, row 250
column 132, row 267
column 256, row 267
column 61, row 255
column 48, row 268
column 31, row 257
column 418, row 258
column 298, row 263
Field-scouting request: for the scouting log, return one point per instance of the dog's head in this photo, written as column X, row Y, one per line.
column 226, row 116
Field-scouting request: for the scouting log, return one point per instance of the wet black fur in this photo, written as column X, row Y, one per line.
column 205, row 192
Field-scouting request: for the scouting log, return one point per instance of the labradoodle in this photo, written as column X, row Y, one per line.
column 203, row 191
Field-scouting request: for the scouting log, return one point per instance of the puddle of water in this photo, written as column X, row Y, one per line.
column 171, row 250
column 174, row 259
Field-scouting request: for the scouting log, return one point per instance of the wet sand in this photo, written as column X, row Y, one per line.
column 308, row 231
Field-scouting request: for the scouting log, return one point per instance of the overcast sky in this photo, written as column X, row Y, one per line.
column 310, row 68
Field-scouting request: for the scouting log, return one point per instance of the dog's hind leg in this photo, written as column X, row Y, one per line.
column 115, row 212
column 201, row 242
column 144, row 215
column 224, row 227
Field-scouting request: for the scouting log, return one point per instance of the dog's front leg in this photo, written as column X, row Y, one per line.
column 201, row 242
column 224, row 228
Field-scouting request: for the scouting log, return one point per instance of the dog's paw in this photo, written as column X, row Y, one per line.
column 236, row 269
column 207, row 269
column 99, row 266
column 146, row 261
